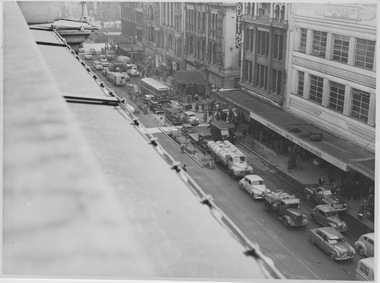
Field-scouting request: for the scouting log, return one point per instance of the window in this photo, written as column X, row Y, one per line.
column 262, row 43
column 360, row 104
column 319, row 43
column 278, row 46
column 276, row 81
column 301, row 80
column 316, row 88
column 364, row 53
column 341, row 44
column 303, row 38
column 337, row 96
column 261, row 76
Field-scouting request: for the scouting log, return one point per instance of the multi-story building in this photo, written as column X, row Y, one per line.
column 186, row 36
column 210, row 42
column 264, row 32
column 331, row 71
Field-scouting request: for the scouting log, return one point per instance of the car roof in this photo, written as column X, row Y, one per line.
column 368, row 261
column 325, row 207
column 189, row 112
column 254, row 178
column 369, row 235
column 330, row 232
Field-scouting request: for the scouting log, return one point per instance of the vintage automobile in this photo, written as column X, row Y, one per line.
column 365, row 245
column 325, row 194
column 88, row 56
column 102, row 58
column 189, row 117
column 331, row 242
column 327, row 216
column 254, row 185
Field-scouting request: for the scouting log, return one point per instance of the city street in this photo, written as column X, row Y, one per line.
column 290, row 248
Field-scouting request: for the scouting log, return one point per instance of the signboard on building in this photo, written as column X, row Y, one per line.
column 238, row 36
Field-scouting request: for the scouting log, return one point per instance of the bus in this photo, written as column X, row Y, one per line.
column 160, row 91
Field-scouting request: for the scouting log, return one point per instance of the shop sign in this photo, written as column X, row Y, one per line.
column 238, row 36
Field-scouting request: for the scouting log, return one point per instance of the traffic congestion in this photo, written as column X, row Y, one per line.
column 316, row 243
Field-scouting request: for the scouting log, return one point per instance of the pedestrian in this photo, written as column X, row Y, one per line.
column 362, row 209
column 184, row 167
column 321, row 180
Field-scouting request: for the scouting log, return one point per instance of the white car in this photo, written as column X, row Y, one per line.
column 87, row 56
column 103, row 58
column 189, row 117
column 97, row 65
column 254, row 185
column 132, row 70
column 365, row 245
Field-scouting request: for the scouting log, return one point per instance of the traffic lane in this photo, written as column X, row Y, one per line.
column 290, row 249
column 274, row 179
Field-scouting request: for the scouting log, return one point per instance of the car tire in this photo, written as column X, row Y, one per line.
column 361, row 251
column 253, row 197
column 331, row 256
column 285, row 222
column 312, row 240
column 241, row 186
column 313, row 218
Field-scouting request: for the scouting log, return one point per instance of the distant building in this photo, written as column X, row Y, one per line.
column 332, row 68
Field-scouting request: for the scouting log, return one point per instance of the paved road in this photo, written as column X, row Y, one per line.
column 290, row 249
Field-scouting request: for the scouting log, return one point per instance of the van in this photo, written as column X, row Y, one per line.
column 365, row 269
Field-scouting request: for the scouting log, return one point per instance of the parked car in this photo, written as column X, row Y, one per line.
column 254, row 185
column 325, row 194
column 92, row 51
column 132, row 70
column 189, row 117
column 365, row 269
column 97, row 65
column 155, row 107
column 81, row 50
column 87, row 56
column 332, row 242
column 325, row 215
column 102, row 58
column 365, row 245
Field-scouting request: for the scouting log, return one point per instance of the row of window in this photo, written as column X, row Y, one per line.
column 262, row 43
column 261, row 78
column 264, row 9
column 336, row 96
column 199, row 50
column 363, row 54
column 197, row 20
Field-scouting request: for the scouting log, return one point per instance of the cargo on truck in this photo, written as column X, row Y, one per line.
column 229, row 155
column 287, row 208
column 221, row 130
column 117, row 78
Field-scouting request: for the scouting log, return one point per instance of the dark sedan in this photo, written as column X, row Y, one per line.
column 332, row 242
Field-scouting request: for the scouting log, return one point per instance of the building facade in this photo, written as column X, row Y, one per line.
column 264, row 49
column 332, row 68
column 187, row 36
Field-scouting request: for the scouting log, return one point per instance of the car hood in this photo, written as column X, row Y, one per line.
column 260, row 188
column 295, row 211
column 336, row 220
column 342, row 247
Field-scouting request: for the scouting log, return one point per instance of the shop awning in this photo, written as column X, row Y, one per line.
column 128, row 48
column 335, row 150
column 190, row 76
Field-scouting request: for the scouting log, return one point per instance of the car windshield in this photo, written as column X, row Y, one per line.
column 293, row 205
column 335, row 240
column 258, row 182
column 331, row 213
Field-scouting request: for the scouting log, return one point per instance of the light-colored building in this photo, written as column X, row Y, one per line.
column 332, row 68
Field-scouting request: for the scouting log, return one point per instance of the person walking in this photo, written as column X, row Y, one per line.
column 321, row 180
